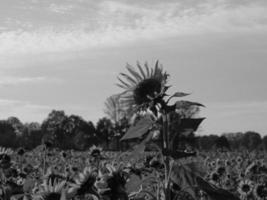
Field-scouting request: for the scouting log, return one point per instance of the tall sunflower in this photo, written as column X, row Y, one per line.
column 144, row 88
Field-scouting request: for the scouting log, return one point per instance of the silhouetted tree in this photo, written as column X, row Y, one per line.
column 222, row 143
column 7, row 134
column 251, row 140
column 105, row 131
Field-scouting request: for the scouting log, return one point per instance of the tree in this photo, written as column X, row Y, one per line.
column 234, row 140
column 222, row 143
column 105, row 131
column 7, row 134
column 251, row 140
column 264, row 142
column 32, row 136
column 16, row 124
column 77, row 130
column 52, row 126
column 207, row 142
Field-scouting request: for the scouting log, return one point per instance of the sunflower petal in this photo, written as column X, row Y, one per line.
column 130, row 79
column 141, row 70
column 147, row 70
column 124, row 83
column 133, row 72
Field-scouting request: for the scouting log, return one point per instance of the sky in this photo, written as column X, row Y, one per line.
column 67, row 54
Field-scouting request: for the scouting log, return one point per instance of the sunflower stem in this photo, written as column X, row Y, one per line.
column 165, row 124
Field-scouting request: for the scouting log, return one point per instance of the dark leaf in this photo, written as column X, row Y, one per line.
column 185, row 104
column 213, row 192
column 180, row 94
column 190, row 123
column 178, row 154
column 138, row 129
column 185, row 176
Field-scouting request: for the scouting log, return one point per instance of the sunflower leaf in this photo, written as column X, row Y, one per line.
column 185, row 176
column 183, row 104
column 214, row 192
column 180, row 94
column 139, row 129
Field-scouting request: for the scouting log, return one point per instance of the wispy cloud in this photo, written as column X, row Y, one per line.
column 22, row 109
column 117, row 23
column 60, row 9
column 28, row 111
column 11, row 80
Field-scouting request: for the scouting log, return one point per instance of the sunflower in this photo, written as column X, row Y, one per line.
column 214, row 177
column 245, row 188
column 6, row 151
column 95, row 151
column 52, row 191
column 116, row 182
column 239, row 160
column 221, row 170
column 20, row 151
column 85, row 183
column 260, row 191
column 5, row 159
column 144, row 88
column 52, row 176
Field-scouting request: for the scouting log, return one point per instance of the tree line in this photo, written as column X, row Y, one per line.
column 61, row 131
column 73, row 132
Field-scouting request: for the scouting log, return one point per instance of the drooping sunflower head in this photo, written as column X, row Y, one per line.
column 85, row 183
column 143, row 86
column 117, row 177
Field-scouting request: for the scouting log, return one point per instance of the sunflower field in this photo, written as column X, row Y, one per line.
column 159, row 163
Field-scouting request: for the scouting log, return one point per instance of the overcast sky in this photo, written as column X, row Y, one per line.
column 66, row 54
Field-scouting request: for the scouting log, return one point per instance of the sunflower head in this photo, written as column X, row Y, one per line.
column 85, row 183
column 5, row 157
column 260, row 191
column 143, row 86
column 95, row 151
column 221, row 170
column 117, row 178
column 52, row 176
column 215, row 177
column 21, row 151
column 245, row 187
column 52, row 191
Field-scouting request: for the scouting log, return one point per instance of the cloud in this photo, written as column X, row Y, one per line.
column 7, row 81
column 115, row 23
column 26, row 111
column 60, row 9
